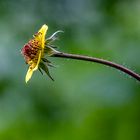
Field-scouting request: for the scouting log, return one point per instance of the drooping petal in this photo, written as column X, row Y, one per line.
column 28, row 75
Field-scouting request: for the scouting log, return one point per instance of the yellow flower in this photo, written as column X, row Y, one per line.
column 34, row 52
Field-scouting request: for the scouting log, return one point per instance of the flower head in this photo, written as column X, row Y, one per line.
column 34, row 52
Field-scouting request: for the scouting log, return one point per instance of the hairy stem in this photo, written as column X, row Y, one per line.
column 98, row 60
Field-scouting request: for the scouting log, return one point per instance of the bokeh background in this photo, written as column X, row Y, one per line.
column 87, row 101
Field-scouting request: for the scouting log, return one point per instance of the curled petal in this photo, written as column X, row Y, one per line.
column 53, row 37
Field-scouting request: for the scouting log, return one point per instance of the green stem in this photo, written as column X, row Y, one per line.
column 98, row 60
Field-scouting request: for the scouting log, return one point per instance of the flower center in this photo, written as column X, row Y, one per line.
column 30, row 52
column 26, row 50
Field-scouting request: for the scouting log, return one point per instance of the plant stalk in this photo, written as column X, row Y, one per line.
column 100, row 61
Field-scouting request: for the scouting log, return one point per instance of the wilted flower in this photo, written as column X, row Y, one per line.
column 36, row 49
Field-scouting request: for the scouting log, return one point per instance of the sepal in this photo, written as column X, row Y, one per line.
column 45, row 69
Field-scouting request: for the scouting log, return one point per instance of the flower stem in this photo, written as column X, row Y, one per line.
column 98, row 60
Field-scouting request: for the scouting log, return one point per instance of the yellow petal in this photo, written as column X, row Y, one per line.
column 29, row 74
column 38, row 61
column 43, row 32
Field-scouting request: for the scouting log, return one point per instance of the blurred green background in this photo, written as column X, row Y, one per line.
column 87, row 101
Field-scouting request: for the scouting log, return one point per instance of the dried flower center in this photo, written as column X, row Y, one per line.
column 30, row 51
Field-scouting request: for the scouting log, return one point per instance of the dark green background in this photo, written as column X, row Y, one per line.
column 87, row 101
